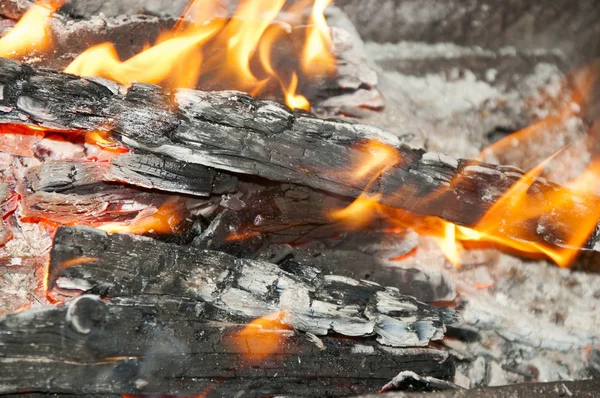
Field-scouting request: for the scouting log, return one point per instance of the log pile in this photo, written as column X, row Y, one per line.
column 157, row 315
column 170, row 313
column 239, row 135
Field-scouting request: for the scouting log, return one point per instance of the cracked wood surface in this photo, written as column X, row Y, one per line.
column 124, row 265
column 170, row 345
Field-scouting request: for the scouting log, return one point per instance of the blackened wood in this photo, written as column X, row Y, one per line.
column 233, row 132
column 124, row 265
column 141, row 170
column 167, row 345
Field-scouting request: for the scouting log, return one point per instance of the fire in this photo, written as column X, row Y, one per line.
column 374, row 158
column 163, row 220
column 501, row 224
column 316, row 58
column 100, row 138
column 31, row 33
column 359, row 213
column 262, row 337
column 235, row 53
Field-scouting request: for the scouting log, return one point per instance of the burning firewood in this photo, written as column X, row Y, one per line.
column 235, row 133
column 174, row 345
column 316, row 303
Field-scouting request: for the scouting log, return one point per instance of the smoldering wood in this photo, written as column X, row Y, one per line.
column 281, row 213
column 233, row 132
column 423, row 285
column 169, row 345
column 125, row 265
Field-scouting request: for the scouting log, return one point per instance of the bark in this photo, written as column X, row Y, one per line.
column 158, row 344
column 233, row 132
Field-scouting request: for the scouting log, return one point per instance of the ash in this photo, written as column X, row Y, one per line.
column 523, row 320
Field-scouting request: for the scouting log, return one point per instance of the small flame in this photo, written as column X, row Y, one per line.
column 31, row 33
column 100, row 138
column 448, row 244
column 151, row 65
column 359, row 213
column 317, row 57
column 293, row 100
column 163, row 220
column 221, row 52
column 375, row 157
column 262, row 337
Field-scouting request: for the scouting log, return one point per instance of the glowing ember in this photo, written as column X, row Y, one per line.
column 180, row 57
column 31, row 33
column 261, row 337
column 164, row 220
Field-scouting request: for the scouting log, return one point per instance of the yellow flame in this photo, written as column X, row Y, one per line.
column 250, row 21
column 222, row 53
column 30, row 34
column 317, row 57
column 572, row 207
column 163, row 220
column 175, row 61
column 293, row 100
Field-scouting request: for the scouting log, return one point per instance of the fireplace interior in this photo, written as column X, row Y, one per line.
column 299, row 198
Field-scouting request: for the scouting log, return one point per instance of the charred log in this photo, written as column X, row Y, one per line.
column 125, row 265
column 143, row 170
column 156, row 344
column 233, row 132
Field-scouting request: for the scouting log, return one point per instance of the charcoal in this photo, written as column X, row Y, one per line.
column 140, row 170
column 169, row 345
column 121, row 265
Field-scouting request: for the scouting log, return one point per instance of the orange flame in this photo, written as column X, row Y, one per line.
column 160, row 64
column 374, row 158
column 31, row 33
column 501, row 224
column 163, row 220
column 262, row 337
column 583, row 81
column 200, row 45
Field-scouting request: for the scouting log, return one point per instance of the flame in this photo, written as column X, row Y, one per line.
column 163, row 220
column 583, row 81
column 100, row 138
column 317, row 57
column 571, row 206
column 221, row 52
column 359, row 213
column 374, row 158
column 31, row 33
column 173, row 62
column 448, row 244
column 262, row 337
